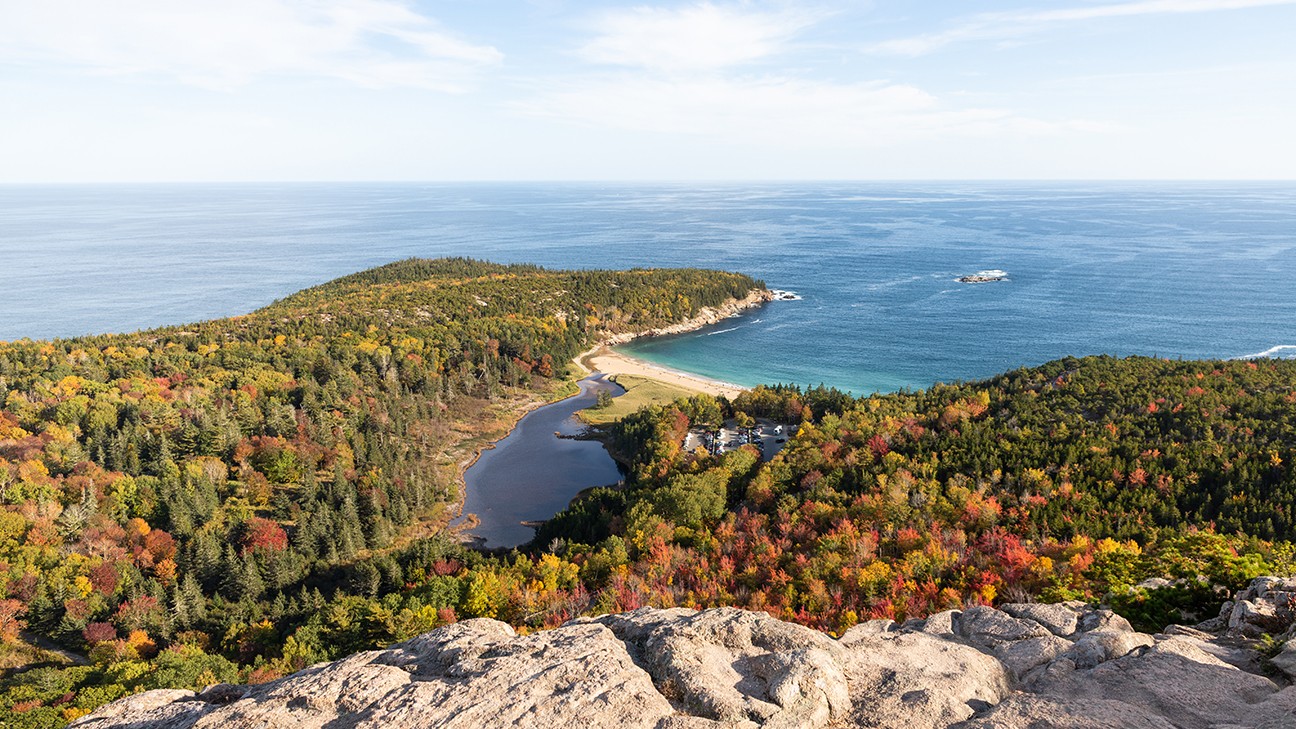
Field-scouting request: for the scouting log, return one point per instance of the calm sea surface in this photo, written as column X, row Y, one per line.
column 1176, row 270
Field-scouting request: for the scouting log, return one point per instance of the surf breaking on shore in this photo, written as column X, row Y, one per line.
column 1281, row 351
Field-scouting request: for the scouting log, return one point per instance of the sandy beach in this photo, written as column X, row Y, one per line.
column 602, row 358
column 611, row 362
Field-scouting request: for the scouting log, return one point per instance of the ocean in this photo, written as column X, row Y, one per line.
column 1178, row 270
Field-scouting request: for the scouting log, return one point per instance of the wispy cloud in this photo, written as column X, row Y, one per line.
column 376, row 43
column 783, row 112
column 693, row 71
column 702, row 36
column 990, row 26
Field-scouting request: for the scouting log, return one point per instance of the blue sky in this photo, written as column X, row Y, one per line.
column 162, row 90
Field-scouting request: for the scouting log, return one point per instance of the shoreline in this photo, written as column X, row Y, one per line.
column 601, row 358
column 458, row 532
column 604, row 358
column 705, row 317
column 461, row 532
column 613, row 363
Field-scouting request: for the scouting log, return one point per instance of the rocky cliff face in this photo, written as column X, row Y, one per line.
column 1023, row 665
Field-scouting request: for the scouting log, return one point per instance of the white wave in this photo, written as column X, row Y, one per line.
column 721, row 331
column 991, row 274
column 1273, row 352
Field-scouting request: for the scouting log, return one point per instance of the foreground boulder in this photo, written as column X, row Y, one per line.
column 1267, row 605
column 737, row 666
column 1025, row 665
column 918, row 681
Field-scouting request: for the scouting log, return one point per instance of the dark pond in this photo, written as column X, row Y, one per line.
column 532, row 474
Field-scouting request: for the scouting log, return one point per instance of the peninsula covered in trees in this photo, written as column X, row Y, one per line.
column 238, row 499
column 179, row 503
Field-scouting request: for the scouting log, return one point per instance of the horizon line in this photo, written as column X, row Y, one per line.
column 651, row 180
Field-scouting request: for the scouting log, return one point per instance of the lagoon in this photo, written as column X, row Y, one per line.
column 532, row 474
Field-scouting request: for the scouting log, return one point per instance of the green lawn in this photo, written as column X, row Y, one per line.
column 640, row 391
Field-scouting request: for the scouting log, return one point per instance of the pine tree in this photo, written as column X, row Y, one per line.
column 189, row 605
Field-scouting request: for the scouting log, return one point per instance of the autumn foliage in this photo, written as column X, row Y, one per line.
column 237, row 500
column 182, row 503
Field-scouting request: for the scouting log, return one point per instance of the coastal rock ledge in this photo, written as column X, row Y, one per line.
column 1019, row 666
column 706, row 316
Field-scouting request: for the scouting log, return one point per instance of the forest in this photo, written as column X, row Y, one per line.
column 232, row 501
column 177, row 504
column 1077, row 479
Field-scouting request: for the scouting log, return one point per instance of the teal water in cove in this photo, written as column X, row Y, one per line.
column 1171, row 269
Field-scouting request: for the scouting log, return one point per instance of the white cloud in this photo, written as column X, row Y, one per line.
column 689, row 76
column 703, row 36
column 781, row 112
column 1008, row 25
column 375, row 43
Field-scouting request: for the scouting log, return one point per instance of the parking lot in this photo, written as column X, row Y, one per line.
column 767, row 436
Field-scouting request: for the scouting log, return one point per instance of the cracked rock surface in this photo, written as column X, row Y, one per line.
column 1025, row 665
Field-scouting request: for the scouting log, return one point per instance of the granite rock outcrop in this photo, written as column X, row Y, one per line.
column 1019, row 665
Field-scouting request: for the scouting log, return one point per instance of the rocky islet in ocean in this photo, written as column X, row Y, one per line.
column 979, row 277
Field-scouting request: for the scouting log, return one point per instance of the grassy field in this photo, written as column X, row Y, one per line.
column 640, row 391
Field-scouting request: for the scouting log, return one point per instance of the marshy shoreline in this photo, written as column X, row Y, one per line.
column 605, row 360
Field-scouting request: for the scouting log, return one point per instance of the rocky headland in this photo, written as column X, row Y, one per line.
column 706, row 316
column 1017, row 666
